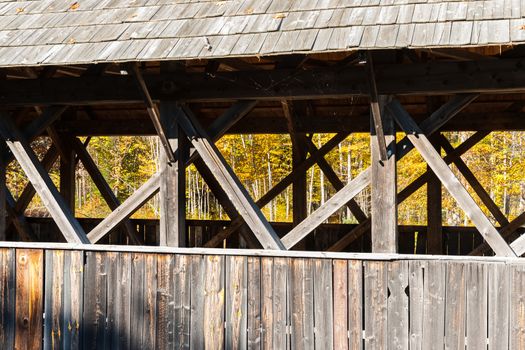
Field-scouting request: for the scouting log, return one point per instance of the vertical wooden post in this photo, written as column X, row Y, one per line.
column 173, row 182
column 434, row 207
column 384, row 187
column 67, row 173
column 3, row 190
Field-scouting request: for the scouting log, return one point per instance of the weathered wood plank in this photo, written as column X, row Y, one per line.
column 213, row 320
column 197, row 282
column 517, row 307
column 138, row 301
column 54, row 299
column 397, row 309
column 455, row 306
column 498, row 306
column 340, row 304
column 416, row 285
column 383, row 180
column 236, row 302
column 150, row 301
column 324, row 303
column 7, row 298
column 165, row 302
column 301, row 304
column 29, row 298
column 434, row 208
column 182, row 277
column 477, row 299
column 450, row 181
column 254, row 303
column 95, row 301
column 375, row 305
column 355, row 304
column 275, row 303
column 434, row 305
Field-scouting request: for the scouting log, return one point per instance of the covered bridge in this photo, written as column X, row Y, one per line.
column 191, row 71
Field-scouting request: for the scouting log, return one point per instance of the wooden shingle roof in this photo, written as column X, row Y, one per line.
column 87, row 31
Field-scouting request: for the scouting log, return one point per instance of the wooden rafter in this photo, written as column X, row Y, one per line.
column 43, row 184
column 449, row 180
column 228, row 180
column 153, row 113
column 375, row 109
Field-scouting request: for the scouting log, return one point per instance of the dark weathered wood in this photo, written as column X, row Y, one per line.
column 324, row 303
column 229, row 181
column 197, row 283
column 301, row 304
column 450, row 181
column 275, row 303
column 254, row 324
column 94, row 301
column 398, row 78
column 54, row 264
column 29, row 298
column 455, row 305
column 416, row 283
column 375, row 305
column 383, row 181
column 67, row 175
column 236, row 306
column 149, row 312
column 43, row 184
column 173, row 182
column 3, row 193
column 7, row 298
column 165, row 300
column 434, row 208
column 182, row 275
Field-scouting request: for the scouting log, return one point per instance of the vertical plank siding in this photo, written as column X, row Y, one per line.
column 65, row 299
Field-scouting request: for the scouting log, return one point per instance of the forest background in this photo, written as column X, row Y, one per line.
column 261, row 161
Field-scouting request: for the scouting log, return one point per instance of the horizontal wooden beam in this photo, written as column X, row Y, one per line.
column 434, row 77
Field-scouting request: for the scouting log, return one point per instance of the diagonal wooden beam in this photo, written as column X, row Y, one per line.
column 153, row 112
column 474, row 183
column 102, row 185
column 505, row 232
column 278, row 188
column 362, row 228
column 25, row 232
column 429, row 125
column 151, row 187
column 327, row 209
column 228, row 180
column 335, row 181
column 43, row 184
column 126, row 209
column 449, row 180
